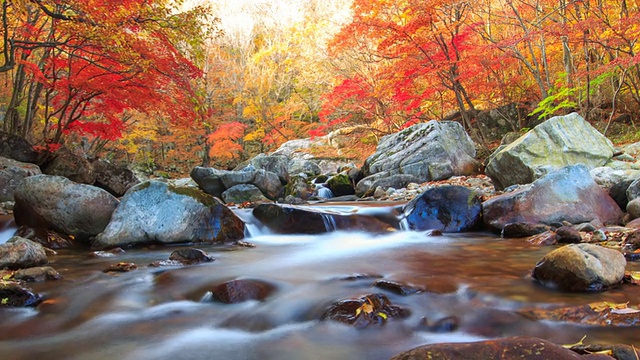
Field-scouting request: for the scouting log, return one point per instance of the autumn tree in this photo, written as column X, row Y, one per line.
column 80, row 65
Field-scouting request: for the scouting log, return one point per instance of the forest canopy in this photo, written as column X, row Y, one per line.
column 168, row 85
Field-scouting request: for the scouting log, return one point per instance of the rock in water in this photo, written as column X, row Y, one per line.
column 20, row 253
column 429, row 151
column 155, row 211
column 498, row 349
column 568, row 194
column 57, row 203
column 445, row 208
column 556, row 143
column 580, row 267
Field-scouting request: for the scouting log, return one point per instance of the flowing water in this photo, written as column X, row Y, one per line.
column 156, row 313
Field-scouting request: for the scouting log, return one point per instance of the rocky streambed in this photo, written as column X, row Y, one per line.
column 540, row 251
column 274, row 300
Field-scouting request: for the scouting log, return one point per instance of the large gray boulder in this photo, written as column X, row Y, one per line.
column 11, row 174
column 429, row 151
column 580, row 267
column 277, row 164
column 157, row 212
column 446, row 208
column 215, row 182
column 558, row 142
column 568, row 194
column 57, row 203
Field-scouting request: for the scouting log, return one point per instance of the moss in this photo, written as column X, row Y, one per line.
column 196, row 194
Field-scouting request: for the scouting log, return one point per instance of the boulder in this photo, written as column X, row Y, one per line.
column 524, row 348
column 368, row 185
column 568, row 194
column 241, row 290
column 365, row 311
column 633, row 208
column 70, row 165
column 62, row 205
column 633, row 190
column 580, row 267
column 556, row 143
column 11, row 174
column 341, row 185
column 277, row 164
column 429, row 151
column 445, row 208
column 208, row 179
column 16, row 148
column 190, row 256
column 302, row 166
column 115, row 179
column 283, row 219
column 616, row 182
column 20, row 253
column 243, row 193
column 37, row 274
column 215, row 182
column 155, row 211
column 13, row 294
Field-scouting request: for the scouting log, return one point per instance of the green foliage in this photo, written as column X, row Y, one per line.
column 562, row 98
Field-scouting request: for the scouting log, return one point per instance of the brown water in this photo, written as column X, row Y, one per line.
column 154, row 313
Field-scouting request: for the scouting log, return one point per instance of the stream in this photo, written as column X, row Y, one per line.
column 478, row 279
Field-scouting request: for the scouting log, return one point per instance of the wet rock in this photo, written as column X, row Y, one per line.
column 107, row 254
column 604, row 314
column 57, row 203
column 155, row 211
column 67, row 164
column 20, row 253
column 190, row 256
column 115, row 179
column 236, row 291
column 429, row 151
column 11, row 174
column 166, row 263
column 396, row 287
column 299, row 220
column 552, row 145
column 520, row 229
column 243, row 193
column 37, row 274
column 632, row 240
column 364, row 311
column 580, row 267
column 443, row 325
column 568, row 194
column 299, row 188
column 544, row 239
column 446, row 208
column 341, row 185
column 45, row 237
column 17, row 148
column 568, row 235
column 121, row 267
column 503, row 349
column 13, row 294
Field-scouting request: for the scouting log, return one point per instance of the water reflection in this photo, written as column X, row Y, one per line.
column 477, row 279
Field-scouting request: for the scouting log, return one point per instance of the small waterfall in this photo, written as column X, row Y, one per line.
column 323, row 192
column 7, row 228
column 329, row 221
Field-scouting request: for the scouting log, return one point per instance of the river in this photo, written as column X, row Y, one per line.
column 478, row 279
